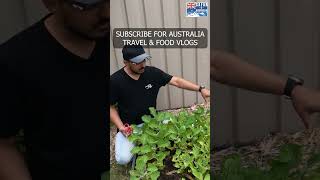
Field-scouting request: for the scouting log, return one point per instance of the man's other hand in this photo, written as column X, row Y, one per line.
column 205, row 93
column 306, row 102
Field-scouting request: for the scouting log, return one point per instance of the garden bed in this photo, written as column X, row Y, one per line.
column 260, row 155
column 168, row 172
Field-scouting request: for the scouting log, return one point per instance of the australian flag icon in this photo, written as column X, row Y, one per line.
column 196, row 9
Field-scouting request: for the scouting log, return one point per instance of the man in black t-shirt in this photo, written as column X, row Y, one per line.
column 54, row 88
column 133, row 89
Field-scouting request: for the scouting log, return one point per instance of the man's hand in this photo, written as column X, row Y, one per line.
column 205, row 93
column 126, row 130
column 306, row 102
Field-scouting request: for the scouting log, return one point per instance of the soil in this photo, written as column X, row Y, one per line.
column 170, row 172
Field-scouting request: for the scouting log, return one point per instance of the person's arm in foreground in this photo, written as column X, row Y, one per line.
column 230, row 69
column 12, row 164
column 184, row 84
column 115, row 119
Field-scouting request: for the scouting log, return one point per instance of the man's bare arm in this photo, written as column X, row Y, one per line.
column 184, row 84
column 12, row 164
column 232, row 70
column 115, row 119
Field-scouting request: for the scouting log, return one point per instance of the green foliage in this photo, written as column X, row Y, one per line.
column 186, row 137
column 105, row 175
column 286, row 166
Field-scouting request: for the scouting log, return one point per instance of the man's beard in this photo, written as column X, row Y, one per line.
column 138, row 72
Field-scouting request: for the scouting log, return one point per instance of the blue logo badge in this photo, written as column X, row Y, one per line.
column 196, row 9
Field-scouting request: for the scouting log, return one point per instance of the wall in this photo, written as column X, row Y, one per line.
column 279, row 36
column 191, row 64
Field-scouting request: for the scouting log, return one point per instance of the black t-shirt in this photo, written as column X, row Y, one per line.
column 134, row 97
column 59, row 99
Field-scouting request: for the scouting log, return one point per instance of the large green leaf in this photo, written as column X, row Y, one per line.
column 136, row 150
column 145, row 149
column 232, row 164
column 291, row 154
column 141, row 162
column 151, row 133
column 163, row 143
column 314, row 159
column 153, row 111
column 146, row 119
column 134, row 174
column 197, row 174
column 154, row 175
column 152, row 168
column 207, row 177
column 133, row 138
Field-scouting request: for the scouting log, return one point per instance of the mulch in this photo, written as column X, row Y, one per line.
column 260, row 153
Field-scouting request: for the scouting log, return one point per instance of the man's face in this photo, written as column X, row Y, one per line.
column 137, row 68
column 91, row 22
